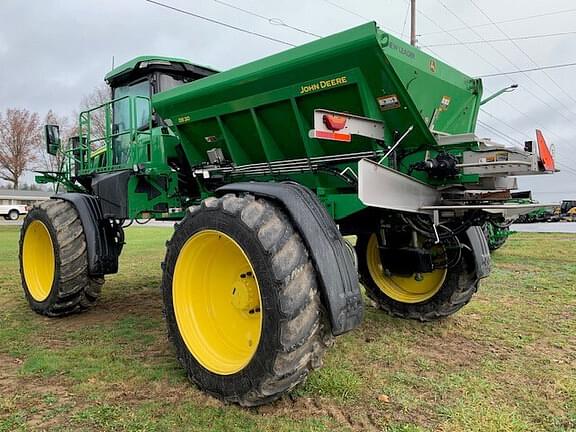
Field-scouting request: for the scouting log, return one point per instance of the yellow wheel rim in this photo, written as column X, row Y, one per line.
column 38, row 260
column 405, row 289
column 217, row 302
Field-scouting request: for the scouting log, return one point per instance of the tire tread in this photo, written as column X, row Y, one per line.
column 304, row 329
column 76, row 290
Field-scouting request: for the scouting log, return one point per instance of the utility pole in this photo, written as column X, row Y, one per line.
column 413, row 22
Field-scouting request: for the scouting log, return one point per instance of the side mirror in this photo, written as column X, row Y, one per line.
column 52, row 134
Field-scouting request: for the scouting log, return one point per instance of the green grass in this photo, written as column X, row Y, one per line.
column 506, row 362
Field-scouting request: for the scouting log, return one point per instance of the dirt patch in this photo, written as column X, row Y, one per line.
column 543, row 348
column 112, row 308
column 519, row 268
column 134, row 393
column 355, row 418
column 8, row 373
column 141, row 302
column 455, row 350
column 37, row 397
column 50, row 402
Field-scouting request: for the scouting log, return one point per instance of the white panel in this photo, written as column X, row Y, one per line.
column 379, row 186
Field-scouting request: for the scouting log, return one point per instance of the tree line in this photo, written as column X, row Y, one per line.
column 22, row 138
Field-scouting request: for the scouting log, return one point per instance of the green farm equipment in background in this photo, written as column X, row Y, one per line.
column 496, row 234
column 265, row 167
column 539, row 214
column 497, row 230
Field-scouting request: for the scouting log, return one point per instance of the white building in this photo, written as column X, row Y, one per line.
column 22, row 197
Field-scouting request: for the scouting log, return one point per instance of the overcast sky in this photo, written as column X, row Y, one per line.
column 53, row 52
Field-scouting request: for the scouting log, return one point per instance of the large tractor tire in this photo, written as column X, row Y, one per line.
column 241, row 301
column 53, row 261
column 426, row 298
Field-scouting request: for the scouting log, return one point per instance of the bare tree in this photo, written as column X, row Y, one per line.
column 98, row 96
column 20, row 138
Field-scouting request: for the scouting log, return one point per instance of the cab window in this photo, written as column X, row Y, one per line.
column 167, row 82
column 122, row 108
column 121, row 117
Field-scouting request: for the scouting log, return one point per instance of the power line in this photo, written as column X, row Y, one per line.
column 457, row 39
column 540, row 68
column 528, row 56
column 498, row 132
column 405, row 20
column 507, row 36
column 532, row 119
column 487, row 126
column 223, row 24
column 536, row 83
column 501, row 121
column 351, row 12
column 273, row 21
column 500, row 72
column 527, row 37
column 566, row 168
column 526, row 18
column 477, row 54
column 507, row 137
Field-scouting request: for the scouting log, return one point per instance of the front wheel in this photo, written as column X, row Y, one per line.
column 241, row 300
column 54, row 261
column 423, row 297
column 13, row 215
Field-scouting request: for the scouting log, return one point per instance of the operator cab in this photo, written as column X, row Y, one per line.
column 143, row 77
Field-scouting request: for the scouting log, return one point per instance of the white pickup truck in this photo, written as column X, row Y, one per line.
column 12, row 211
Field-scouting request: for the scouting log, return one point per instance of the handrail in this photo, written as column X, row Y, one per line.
column 87, row 158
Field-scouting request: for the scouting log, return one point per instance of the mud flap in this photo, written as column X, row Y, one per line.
column 338, row 278
column 104, row 237
column 480, row 251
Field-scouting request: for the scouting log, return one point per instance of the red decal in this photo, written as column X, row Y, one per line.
column 334, row 136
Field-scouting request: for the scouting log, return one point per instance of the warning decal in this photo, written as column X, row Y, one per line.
column 388, row 102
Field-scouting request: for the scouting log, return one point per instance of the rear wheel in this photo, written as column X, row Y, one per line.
column 425, row 296
column 495, row 236
column 241, row 300
column 13, row 215
column 53, row 261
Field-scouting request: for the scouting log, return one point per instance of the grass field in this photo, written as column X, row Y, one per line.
column 507, row 362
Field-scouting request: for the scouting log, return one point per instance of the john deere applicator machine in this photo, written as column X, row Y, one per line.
column 265, row 168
